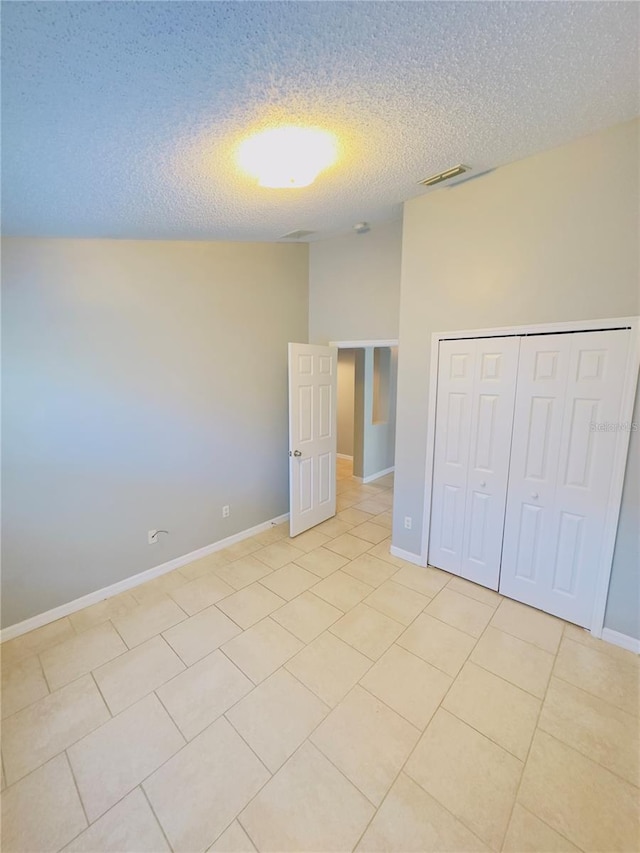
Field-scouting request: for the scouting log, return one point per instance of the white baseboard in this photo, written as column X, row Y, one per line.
column 409, row 556
column 376, row 476
column 48, row 616
column 344, row 456
column 622, row 640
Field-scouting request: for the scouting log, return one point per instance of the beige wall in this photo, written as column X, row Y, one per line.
column 145, row 386
column 553, row 237
column 346, row 400
column 354, row 286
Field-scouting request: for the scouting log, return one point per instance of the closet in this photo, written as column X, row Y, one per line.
column 526, row 431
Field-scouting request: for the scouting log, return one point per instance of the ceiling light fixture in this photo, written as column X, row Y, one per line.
column 287, row 157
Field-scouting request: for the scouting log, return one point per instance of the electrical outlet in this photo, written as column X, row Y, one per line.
column 226, row 511
column 152, row 537
column 407, row 522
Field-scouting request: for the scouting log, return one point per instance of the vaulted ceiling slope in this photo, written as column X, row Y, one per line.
column 120, row 119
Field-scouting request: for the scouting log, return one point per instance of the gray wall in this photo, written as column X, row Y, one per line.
column 346, row 400
column 553, row 237
column 354, row 286
column 145, row 385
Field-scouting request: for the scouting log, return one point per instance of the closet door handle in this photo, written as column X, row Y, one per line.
column 482, row 484
column 534, row 495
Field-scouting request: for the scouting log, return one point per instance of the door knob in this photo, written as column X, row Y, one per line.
column 297, row 453
column 534, row 495
column 482, row 484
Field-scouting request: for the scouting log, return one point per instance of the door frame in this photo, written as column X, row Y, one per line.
column 622, row 436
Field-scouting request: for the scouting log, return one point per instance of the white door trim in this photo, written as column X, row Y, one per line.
column 362, row 344
column 622, row 436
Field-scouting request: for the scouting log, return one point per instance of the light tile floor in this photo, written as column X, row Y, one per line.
column 318, row 694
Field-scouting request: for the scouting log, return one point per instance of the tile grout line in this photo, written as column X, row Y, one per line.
column 153, row 812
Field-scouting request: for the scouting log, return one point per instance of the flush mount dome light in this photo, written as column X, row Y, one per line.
column 287, row 157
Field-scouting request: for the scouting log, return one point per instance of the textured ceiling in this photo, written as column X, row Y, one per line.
column 120, row 118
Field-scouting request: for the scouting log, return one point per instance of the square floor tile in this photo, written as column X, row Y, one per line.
column 279, row 554
column 370, row 569
column 496, row 708
column 114, row 759
column 581, row 800
column 341, row 590
column 333, row 527
column 373, row 505
column 329, row 667
column 309, row 540
column 242, row 572
column 307, row 616
column 367, row 741
column 158, row 587
column 22, row 684
column 37, row 733
column 242, row 549
column 462, row 612
column 523, row 664
column 367, row 630
column 201, row 634
column 147, row 620
column 200, row 593
column 80, row 654
column 475, row 591
column 592, row 726
column 250, row 605
column 529, row 624
column 198, row 696
column 277, row 717
column 101, row 612
column 528, row 834
column 275, row 533
column 584, row 637
column 453, row 763
column 382, row 551
column 202, row 788
column 384, row 519
column 233, row 840
column 35, row 642
column 131, row 676
column 354, row 516
column 370, row 532
column 204, row 566
column 411, row 821
column 348, row 546
column 262, row 649
column 129, row 825
column 289, row 581
column 441, row 645
column 422, row 579
column 599, row 674
column 49, row 793
column 397, row 601
column 322, row 562
column 407, row 684
column 307, row 806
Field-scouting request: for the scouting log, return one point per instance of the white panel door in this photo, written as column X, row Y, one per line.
column 561, row 468
column 494, row 388
column 456, row 369
column 312, row 435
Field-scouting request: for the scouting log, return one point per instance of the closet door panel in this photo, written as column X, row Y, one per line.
column 456, row 369
column 593, row 398
column 535, row 450
column 491, row 427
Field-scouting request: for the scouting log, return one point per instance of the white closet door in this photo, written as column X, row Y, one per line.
column 561, row 467
column 474, row 415
column 456, row 369
column 488, row 471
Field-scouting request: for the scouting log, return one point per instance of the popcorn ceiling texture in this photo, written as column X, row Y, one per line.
column 120, row 118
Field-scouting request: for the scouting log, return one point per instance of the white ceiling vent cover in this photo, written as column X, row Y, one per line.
column 296, row 235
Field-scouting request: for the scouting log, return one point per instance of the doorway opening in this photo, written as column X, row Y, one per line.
column 366, row 410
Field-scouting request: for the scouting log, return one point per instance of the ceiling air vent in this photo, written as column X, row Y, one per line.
column 444, row 176
column 296, row 235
